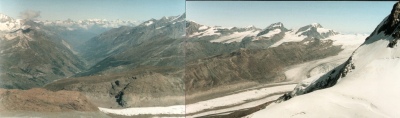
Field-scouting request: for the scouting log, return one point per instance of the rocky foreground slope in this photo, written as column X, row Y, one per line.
column 39, row 102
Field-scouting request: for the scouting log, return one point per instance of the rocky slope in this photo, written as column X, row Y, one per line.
column 142, row 87
column 132, row 64
column 78, row 32
column 254, row 65
column 32, row 55
column 41, row 100
column 154, row 42
column 217, row 56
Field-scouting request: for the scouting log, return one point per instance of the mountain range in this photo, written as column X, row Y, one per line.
column 362, row 86
column 159, row 62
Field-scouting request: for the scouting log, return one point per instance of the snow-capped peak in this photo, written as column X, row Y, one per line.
column 251, row 26
column 316, row 25
column 8, row 24
column 316, row 30
column 275, row 25
column 5, row 18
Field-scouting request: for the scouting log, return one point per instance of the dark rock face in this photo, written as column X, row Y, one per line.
column 191, row 27
column 391, row 23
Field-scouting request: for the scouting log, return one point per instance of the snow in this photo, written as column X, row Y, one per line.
column 323, row 30
column 277, row 25
column 176, row 18
column 370, row 90
column 315, row 24
column 229, row 100
column 236, row 98
column 272, row 33
column 290, row 36
column 242, row 106
column 203, row 27
column 209, row 32
column 251, row 26
column 347, row 40
column 149, row 23
column 177, row 109
column 10, row 25
column 160, row 27
column 236, row 36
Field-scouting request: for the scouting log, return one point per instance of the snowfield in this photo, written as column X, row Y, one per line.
column 208, row 32
column 347, row 40
column 290, row 36
column 236, row 36
column 272, row 33
column 178, row 109
column 369, row 90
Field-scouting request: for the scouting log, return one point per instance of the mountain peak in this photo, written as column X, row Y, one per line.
column 251, row 26
column 4, row 18
column 392, row 21
column 316, row 30
column 316, row 25
column 275, row 25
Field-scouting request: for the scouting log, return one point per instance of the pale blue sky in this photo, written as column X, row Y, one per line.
column 103, row 9
column 345, row 16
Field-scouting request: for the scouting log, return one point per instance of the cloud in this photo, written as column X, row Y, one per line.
column 29, row 14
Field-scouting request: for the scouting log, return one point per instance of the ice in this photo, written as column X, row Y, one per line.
column 236, row 36
column 209, row 32
column 178, row 109
column 149, row 23
column 203, row 27
column 290, row 36
column 272, row 33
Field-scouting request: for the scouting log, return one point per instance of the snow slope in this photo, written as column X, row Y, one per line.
column 178, row 109
column 236, row 36
column 347, row 40
column 370, row 89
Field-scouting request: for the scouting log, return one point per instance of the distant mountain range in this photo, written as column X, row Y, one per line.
column 159, row 58
column 10, row 24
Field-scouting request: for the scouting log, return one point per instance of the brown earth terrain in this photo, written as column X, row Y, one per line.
column 42, row 100
column 142, row 87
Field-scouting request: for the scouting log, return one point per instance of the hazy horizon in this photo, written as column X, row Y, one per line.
column 136, row 10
